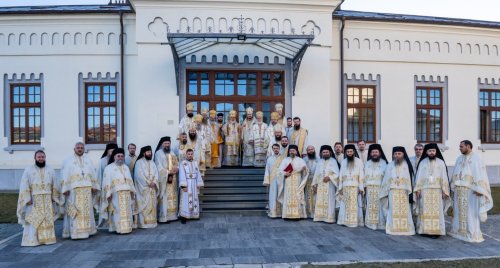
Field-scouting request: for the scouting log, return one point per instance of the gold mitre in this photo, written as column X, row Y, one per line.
column 204, row 111
column 259, row 114
column 232, row 113
column 213, row 112
column 275, row 116
column 190, row 106
column 198, row 118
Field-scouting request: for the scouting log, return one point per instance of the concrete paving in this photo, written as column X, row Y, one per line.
column 241, row 240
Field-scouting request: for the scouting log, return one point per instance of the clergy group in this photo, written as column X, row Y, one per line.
column 364, row 188
column 347, row 185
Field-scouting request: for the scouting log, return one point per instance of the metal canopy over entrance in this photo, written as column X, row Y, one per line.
column 245, row 47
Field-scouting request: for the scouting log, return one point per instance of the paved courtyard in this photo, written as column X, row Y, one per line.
column 240, row 238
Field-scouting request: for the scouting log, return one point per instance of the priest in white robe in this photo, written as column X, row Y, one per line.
column 146, row 188
column 38, row 203
column 471, row 195
column 232, row 137
column 431, row 192
column 188, row 119
column 374, row 174
column 278, row 108
column 190, row 182
column 260, row 140
column 206, row 134
column 81, row 195
column 350, row 189
column 272, row 181
column 293, row 173
column 168, row 167
column 277, row 136
column 118, row 195
column 325, row 183
column 247, row 139
column 311, row 162
column 272, row 128
column 396, row 194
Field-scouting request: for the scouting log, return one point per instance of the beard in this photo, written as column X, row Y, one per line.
column 167, row 150
column 220, row 120
column 190, row 115
column 326, row 157
column 184, row 142
column 350, row 158
column 40, row 164
column 278, row 138
column 296, row 127
column 376, row 159
column 284, row 145
column 311, row 156
column 432, row 157
column 119, row 162
column 192, row 136
column 399, row 162
column 149, row 157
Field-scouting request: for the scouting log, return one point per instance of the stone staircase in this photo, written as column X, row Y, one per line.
column 233, row 189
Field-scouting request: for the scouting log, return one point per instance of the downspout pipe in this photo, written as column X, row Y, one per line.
column 122, row 81
column 342, row 81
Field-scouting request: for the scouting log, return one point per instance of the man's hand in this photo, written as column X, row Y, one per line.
column 132, row 195
column 340, row 192
column 109, row 198
column 152, row 185
column 184, row 189
column 478, row 194
column 326, row 179
column 444, row 196
column 417, row 194
column 304, row 168
column 174, row 170
column 67, row 193
column 315, row 189
column 287, row 174
column 29, row 203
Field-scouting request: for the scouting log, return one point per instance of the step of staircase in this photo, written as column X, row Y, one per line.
column 233, row 189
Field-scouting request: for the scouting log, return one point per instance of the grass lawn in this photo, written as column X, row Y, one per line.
column 8, row 204
column 492, row 262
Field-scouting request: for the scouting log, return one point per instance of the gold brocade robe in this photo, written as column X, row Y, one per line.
column 38, row 187
column 168, row 191
column 291, row 190
column 116, row 200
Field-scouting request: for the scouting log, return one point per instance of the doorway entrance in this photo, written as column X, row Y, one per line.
column 226, row 90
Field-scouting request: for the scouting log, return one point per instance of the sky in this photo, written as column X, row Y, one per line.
column 465, row 9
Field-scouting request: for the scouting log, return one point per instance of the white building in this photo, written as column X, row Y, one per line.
column 386, row 78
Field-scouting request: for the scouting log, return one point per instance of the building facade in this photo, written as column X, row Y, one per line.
column 124, row 72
